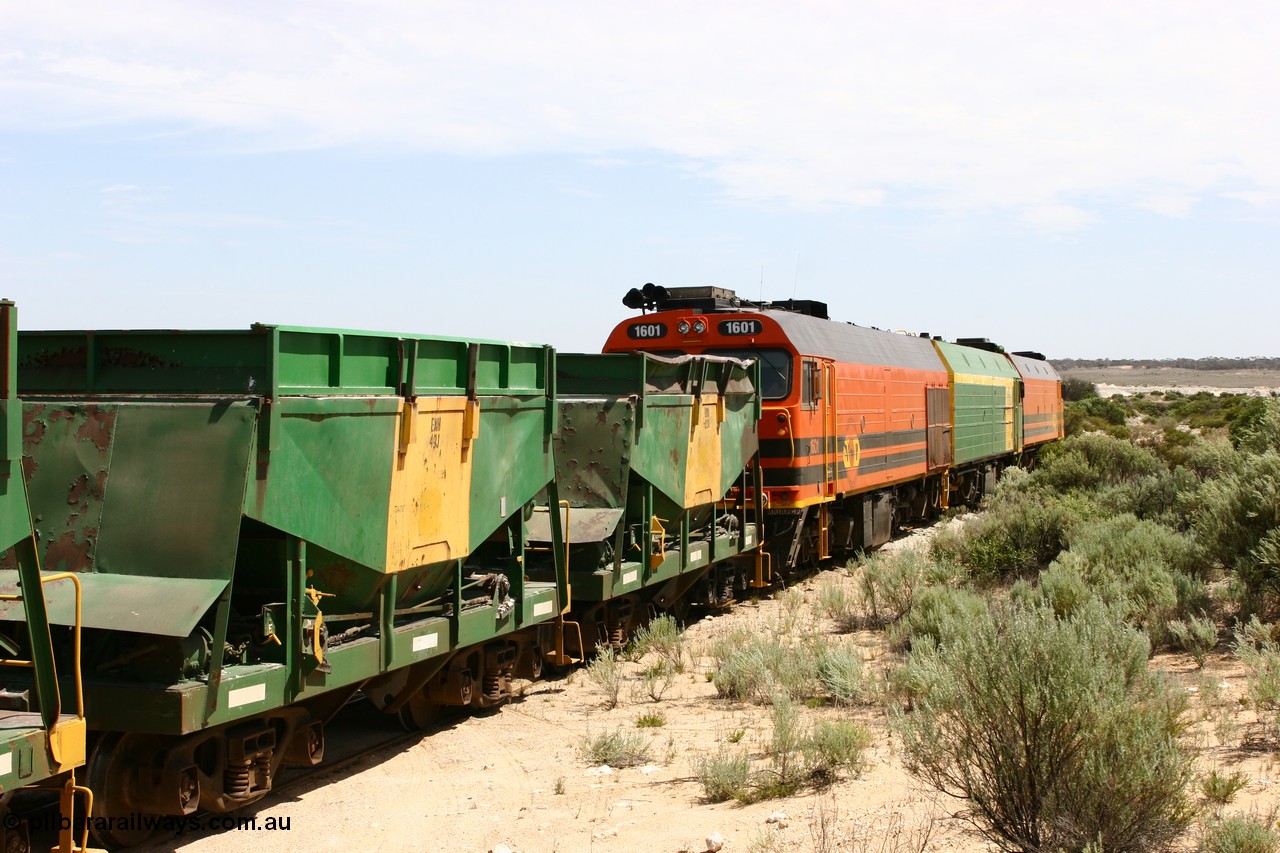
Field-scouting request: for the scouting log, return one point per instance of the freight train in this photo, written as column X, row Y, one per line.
column 863, row 430
column 268, row 523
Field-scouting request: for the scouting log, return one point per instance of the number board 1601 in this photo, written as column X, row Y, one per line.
column 646, row 331
column 741, row 327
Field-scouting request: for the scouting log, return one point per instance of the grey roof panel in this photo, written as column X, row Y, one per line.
column 856, row 344
column 1033, row 368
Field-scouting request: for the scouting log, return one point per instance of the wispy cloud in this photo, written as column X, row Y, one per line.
column 1020, row 106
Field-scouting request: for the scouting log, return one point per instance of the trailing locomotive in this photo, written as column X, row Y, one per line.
column 268, row 522
column 862, row 430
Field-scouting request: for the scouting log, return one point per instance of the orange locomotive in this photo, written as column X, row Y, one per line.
column 860, row 430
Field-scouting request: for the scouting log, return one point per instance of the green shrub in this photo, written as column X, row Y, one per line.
column 1139, row 567
column 939, row 613
column 651, row 720
column 1089, row 461
column 1075, row 388
column 1054, row 731
column 725, row 775
column 1016, row 535
column 841, row 672
column 1153, row 497
column 1064, row 590
column 786, row 746
column 1259, row 429
column 1260, row 653
column 617, row 748
column 657, row 679
column 1198, row 636
column 1235, row 521
column 765, row 665
column 888, row 582
column 1221, row 788
column 1241, row 834
column 664, row 638
column 835, row 746
column 605, row 672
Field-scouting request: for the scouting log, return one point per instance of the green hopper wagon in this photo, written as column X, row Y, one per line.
column 265, row 522
column 652, row 460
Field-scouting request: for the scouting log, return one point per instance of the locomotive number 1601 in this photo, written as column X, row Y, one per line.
column 741, row 327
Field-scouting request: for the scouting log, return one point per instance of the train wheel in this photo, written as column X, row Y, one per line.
column 110, row 764
column 418, row 713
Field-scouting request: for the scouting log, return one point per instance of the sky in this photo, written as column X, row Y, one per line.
column 1093, row 179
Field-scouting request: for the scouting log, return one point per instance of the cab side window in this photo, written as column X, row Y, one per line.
column 810, row 384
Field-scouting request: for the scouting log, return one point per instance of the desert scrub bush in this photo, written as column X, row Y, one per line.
column 835, row 603
column 1221, row 788
column 1197, row 636
column 656, row 679
column 664, row 638
column 617, row 748
column 939, row 613
column 1241, row 834
column 1258, row 431
column 725, row 775
column 765, row 665
column 785, row 750
column 1054, row 731
column 1140, row 568
column 1090, row 461
column 888, row 582
column 651, row 720
column 1017, row 535
column 1061, row 588
column 605, row 672
column 1260, row 653
column 841, row 672
column 835, row 746
column 1209, row 457
column 1155, row 497
column 1237, row 523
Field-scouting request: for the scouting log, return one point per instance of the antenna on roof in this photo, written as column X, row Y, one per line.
column 796, row 283
column 762, row 282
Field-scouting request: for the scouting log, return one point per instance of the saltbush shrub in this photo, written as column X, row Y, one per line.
column 1054, row 731
column 939, row 613
column 1235, row 521
column 764, row 665
column 1018, row 534
column 1241, row 834
column 1141, row 568
column 1089, row 461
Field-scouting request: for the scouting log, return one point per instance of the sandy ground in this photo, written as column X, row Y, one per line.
column 1135, row 380
column 517, row 777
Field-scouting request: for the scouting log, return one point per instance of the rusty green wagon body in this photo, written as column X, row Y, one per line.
column 266, row 521
column 652, row 457
column 42, row 734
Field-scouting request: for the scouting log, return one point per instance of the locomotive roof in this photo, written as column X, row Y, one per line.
column 855, row 344
column 1032, row 368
